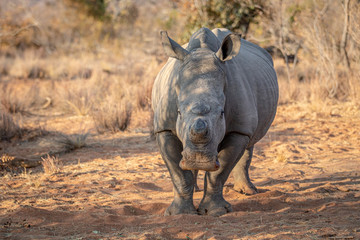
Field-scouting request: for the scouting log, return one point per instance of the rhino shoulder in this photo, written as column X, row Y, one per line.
column 164, row 100
column 256, row 50
column 253, row 95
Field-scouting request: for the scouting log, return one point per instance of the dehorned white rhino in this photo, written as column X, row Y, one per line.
column 212, row 101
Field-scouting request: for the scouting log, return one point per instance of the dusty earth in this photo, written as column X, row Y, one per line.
column 117, row 187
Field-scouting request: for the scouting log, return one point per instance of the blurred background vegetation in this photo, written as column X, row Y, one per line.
column 99, row 58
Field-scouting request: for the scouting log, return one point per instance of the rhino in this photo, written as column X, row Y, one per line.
column 213, row 100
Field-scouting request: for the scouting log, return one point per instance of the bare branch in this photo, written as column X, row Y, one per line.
column 345, row 34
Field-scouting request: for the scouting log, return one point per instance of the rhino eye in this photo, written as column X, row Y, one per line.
column 222, row 113
column 179, row 113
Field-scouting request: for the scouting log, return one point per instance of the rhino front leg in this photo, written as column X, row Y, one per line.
column 196, row 186
column 241, row 174
column 231, row 150
column 183, row 181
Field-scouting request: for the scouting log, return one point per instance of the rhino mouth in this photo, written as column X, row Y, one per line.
column 199, row 160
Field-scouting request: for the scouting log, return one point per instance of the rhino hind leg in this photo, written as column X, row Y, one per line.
column 213, row 202
column 183, row 181
column 243, row 183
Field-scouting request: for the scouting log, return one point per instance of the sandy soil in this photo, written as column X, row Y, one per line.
column 307, row 170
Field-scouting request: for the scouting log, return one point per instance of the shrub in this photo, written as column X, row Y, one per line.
column 51, row 164
column 11, row 102
column 73, row 142
column 112, row 117
column 8, row 128
column 78, row 98
column 94, row 8
column 17, row 98
column 236, row 15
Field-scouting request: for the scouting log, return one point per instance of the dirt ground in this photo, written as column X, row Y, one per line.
column 307, row 169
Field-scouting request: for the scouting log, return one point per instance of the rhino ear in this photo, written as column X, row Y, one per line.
column 230, row 47
column 172, row 48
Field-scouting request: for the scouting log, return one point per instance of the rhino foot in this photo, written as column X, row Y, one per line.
column 214, row 206
column 245, row 187
column 181, row 207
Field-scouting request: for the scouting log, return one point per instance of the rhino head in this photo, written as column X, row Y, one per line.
column 200, row 85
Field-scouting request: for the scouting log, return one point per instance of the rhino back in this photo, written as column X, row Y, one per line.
column 251, row 92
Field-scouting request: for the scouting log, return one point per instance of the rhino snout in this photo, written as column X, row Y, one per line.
column 199, row 131
column 199, row 160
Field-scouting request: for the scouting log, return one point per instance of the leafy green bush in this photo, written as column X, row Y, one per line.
column 95, row 8
column 235, row 15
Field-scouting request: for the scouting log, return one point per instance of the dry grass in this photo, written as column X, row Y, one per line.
column 307, row 86
column 24, row 96
column 143, row 96
column 88, row 72
column 8, row 127
column 281, row 158
column 80, row 104
column 327, row 51
column 73, row 142
column 101, row 95
column 31, row 64
column 13, row 101
column 143, row 89
column 51, row 164
column 113, row 117
column 5, row 159
column 27, row 64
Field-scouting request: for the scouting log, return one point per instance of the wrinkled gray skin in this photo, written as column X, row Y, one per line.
column 212, row 101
